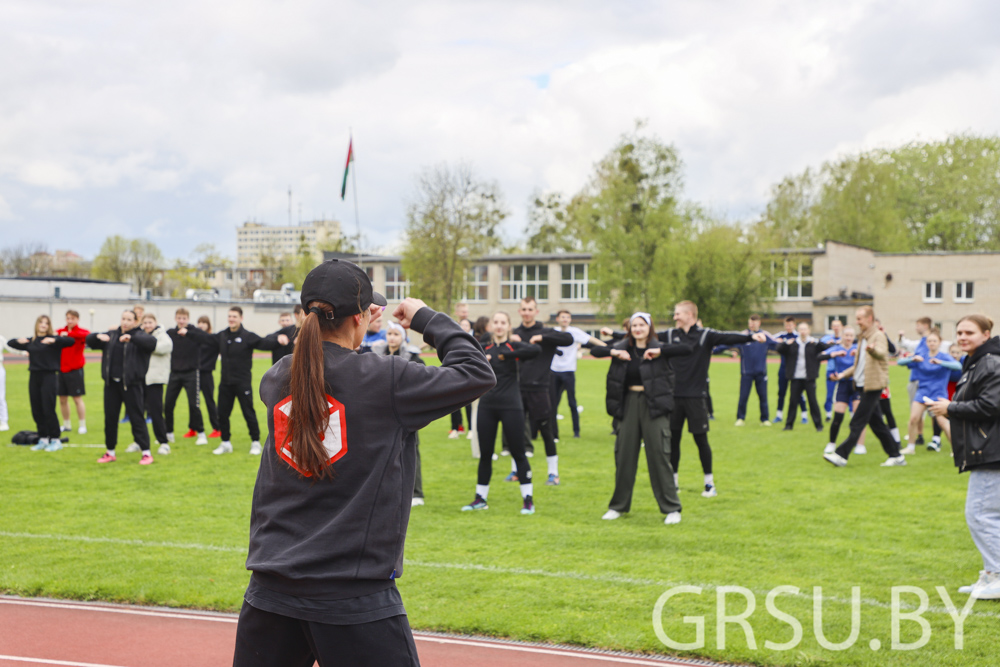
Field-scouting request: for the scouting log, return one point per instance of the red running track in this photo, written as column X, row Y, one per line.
column 76, row 634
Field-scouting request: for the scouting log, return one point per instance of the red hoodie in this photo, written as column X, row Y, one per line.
column 72, row 357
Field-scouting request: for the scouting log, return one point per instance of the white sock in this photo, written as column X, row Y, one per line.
column 43, row 441
column 936, row 439
column 66, row 423
column 513, row 465
column 527, row 490
column 110, row 452
column 895, row 434
column 482, row 490
column 83, row 423
column 676, row 483
column 710, row 479
column 553, row 462
column 778, row 414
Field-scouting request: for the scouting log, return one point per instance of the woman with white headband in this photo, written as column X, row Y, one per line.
column 395, row 345
column 640, row 397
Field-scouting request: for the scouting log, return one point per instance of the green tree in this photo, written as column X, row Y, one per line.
column 145, row 262
column 112, row 261
column 550, row 228
column 630, row 215
column 295, row 268
column 453, row 217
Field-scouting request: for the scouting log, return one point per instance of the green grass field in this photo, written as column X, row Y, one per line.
column 175, row 533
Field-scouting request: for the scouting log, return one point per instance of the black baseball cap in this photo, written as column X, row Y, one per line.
column 341, row 284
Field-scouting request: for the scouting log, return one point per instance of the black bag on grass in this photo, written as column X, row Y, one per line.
column 25, row 438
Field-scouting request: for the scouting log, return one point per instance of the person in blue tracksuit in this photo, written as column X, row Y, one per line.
column 753, row 371
column 931, row 369
column 831, row 385
column 839, row 358
column 788, row 334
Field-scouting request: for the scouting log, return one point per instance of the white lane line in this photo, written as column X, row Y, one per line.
column 509, row 571
column 40, row 661
column 120, row 610
column 546, row 651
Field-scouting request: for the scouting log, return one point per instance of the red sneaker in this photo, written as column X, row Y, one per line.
column 215, row 434
column 191, row 434
column 107, row 458
column 146, row 459
column 461, row 429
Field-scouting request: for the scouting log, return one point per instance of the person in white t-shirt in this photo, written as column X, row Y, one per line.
column 564, row 370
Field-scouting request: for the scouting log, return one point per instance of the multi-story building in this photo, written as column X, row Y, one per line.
column 257, row 243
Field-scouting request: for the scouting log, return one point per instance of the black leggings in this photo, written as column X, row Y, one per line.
column 132, row 396
column 42, row 389
column 838, row 419
column 886, row 406
column 207, row 386
column 704, row 450
column 228, row 394
column 512, row 419
column 154, row 410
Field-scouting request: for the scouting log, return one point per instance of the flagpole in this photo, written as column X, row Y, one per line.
column 354, row 187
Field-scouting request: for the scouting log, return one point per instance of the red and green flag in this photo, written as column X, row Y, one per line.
column 347, row 167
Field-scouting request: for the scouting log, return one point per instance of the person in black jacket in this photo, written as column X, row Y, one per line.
column 236, row 346
column 284, row 337
column 332, row 499
column 802, row 367
column 184, row 360
column 640, row 397
column 124, row 363
column 972, row 421
column 503, row 405
column 536, row 382
column 208, row 353
column 44, row 356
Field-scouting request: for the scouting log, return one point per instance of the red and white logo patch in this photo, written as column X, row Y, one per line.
column 334, row 439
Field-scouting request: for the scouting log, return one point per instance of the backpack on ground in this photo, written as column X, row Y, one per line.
column 25, row 438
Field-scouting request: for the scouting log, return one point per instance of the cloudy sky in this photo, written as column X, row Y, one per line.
column 178, row 121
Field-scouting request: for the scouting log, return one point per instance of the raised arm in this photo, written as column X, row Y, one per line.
column 143, row 341
column 98, row 341
column 727, row 337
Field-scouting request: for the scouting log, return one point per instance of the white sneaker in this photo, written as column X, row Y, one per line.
column 988, row 587
column 170, row 438
column 836, row 459
column 133, row 448
column 224, row 448
column 255, row 448
column 933, row 446
column 611, row 515
column 164, row 449
column 909, row 449
column 968, row 589
column 530, row 455
column 559, row 416
column 453, row 434
column 4, row 426
column 64, row 428
column 496, row 457
column 766, row 422
column 416, row 502
column 830, row 448
column 709, row 491
column 672, row 518
column 860, row 449
column 82, row 430
column 202, row 440
column 894, row 462
column 740, row 422
column 579, row 409
column 469, row 435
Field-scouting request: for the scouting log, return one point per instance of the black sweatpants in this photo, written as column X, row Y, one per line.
column 265, row 639
column 456, row 418
column 694, row 411
column 154, row 409
column 206, row 383
column 228, row 394
column 132, row 397
column 538, row 415
column 564, row 380
column 487, row 421
column 189, row 381
column 783, row 387
column 798, row 387
column 42, row 389
column 869, row 413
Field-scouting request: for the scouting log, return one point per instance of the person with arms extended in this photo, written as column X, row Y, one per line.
column 124, row 363
column 833, row 338
column 841, row 357
column 71, row 381
column 156, row 376
column 919, row 347
column 788, row 334
column 753, row 371
column 931, row 369
column 284, row 337
column 803, row 361
column 332, row 499
column 184, row 375
column 640, row 388
column 563, row 369
column 44, row 358
column 972, row 421
column 208, row 354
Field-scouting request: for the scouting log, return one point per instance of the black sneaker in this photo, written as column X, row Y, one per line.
column 529, row 506
column 920, row 439
column 478, row 504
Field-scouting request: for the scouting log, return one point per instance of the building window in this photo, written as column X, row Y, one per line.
column 396, row 286
column 519, row 281
column 575, row 284
column 964, row 292
column 370, row 271
column 229, row 275
column 476, row 283
column 793, row 278
column 933, row 292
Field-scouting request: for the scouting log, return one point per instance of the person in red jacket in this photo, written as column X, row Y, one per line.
column 71, row 381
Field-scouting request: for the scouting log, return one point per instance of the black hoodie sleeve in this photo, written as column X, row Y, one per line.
column 727, row 338
column 985, row 405
column 143, row 340
column 522, row 351
column 95, row 343
column 675, row 350
column 15, row 344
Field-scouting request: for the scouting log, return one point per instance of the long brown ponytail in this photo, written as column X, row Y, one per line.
column 310, row 415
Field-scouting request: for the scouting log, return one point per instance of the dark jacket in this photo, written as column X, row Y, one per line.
column 236, row 351
column 186, row 354
column 507, row 392
column 975, row 410
column 790, row 354
column 318, row 538
column 536, row 373
column 753, row 355
column 657, row 378
column 691, row 371
column 208, row 353
column 279, row 350
column 43, row 357
column 135, row 354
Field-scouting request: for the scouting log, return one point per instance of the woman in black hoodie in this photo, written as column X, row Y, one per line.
column 641, row 397
column 974, row 414
column 44, row 354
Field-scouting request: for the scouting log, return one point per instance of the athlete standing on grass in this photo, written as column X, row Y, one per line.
column 184, row 375
column 837, row 329
column 840, row 358
column 803, row 363
column 503, row 405
column 124, row 363
column 563, row 369
column 931, row 371
column 156, row 376
column 788, row 334
column 71, row 381
column 208, row 353
column 332, row 499
column 44, row 357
